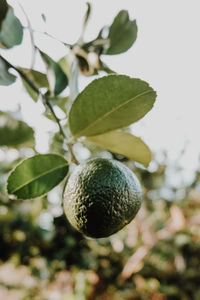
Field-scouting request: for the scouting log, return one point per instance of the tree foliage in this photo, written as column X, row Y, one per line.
column 154, row 257
column 108, row 103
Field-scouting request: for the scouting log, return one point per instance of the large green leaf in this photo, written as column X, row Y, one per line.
column 125, row 144
column 37, row 175
column 3, row 10
column 57, row 78
column 122, row 33
column 11, row 33
column 37, row 78
column 14, row 133
column 6, row 78
column 108, row 103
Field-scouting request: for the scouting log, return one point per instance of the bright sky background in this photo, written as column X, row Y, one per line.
column 166, row 55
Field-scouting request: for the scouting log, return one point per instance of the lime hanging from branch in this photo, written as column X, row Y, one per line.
column 101, row 197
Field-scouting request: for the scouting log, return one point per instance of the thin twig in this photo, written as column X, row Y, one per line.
column 51, row 36
column 73, row 158
column 106, row 69
column 47, row 103
column 30, row 83
column 31, row 35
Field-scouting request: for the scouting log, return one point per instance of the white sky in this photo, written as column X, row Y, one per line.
column 166, row 55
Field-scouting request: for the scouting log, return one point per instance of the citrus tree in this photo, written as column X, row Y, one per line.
column 97, row 116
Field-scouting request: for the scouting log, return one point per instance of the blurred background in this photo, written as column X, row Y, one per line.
column 157, row 256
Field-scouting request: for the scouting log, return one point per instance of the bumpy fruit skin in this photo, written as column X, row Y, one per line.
column 101, row 197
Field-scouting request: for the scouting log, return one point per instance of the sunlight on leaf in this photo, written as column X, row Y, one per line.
column 125, row 144
column 37, row 175
column 108, row 103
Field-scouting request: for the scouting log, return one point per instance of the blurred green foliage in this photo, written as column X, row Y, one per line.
column 157, row 256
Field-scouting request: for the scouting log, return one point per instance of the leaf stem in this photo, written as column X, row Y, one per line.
column 47, row 104
column 73, row 158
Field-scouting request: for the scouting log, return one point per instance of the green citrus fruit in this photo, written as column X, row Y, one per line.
column 101, row 197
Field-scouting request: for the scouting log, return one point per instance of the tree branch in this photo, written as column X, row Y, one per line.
column 46, row 103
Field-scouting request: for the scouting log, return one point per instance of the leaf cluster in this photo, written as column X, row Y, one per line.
column 100, row 114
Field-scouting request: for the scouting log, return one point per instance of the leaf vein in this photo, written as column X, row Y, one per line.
column 113, row 110
column 35, row 178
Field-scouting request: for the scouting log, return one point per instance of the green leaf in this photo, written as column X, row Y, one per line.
column 3, row 10
column 57, row 144
column 122, row 33
column 14, row 133
column 33, row 94
column 117, row 38
column 61, row 102
column 11, row 33
column 63, row 63
column 109, row 103
column 6, row 78
column 58, row 102
column 125, row 144
column 57, row 78
column 37, row 78
column 37, row 175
